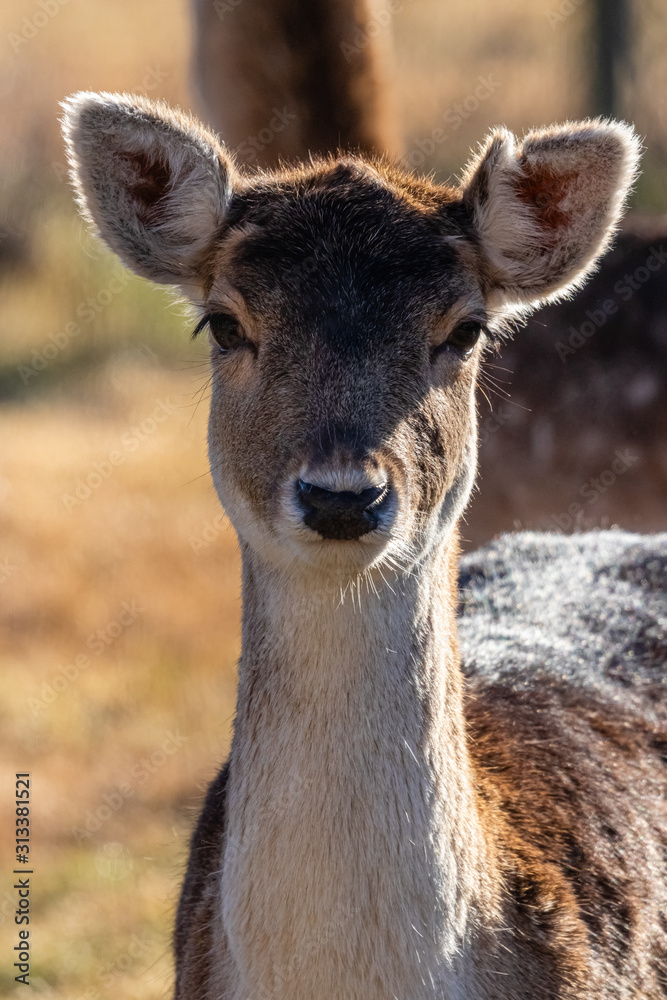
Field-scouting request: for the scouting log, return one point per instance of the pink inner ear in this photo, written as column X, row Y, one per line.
column 544, row 190
column 150, row 182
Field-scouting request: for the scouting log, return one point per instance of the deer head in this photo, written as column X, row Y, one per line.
column 347, row 305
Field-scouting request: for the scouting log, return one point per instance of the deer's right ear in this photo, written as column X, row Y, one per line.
column 154, row 182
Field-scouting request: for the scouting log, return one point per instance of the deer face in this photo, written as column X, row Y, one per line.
column 347, row 306
column 345, row 329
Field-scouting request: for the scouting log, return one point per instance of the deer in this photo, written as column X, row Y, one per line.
column 445, row 781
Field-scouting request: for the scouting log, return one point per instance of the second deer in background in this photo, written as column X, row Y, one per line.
column 283, row 79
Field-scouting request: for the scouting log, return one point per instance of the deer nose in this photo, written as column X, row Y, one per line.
column 345, row 515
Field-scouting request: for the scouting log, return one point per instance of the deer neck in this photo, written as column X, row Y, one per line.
column 355, row 861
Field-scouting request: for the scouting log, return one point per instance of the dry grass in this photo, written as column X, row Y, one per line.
column 141, row 535
column 86, row 697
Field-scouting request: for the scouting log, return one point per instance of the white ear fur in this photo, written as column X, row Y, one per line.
column 545, row 210
column 155, row 183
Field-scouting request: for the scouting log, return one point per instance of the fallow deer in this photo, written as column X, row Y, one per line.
column 386, row 828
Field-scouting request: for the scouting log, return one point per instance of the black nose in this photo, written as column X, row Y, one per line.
column 345, row 515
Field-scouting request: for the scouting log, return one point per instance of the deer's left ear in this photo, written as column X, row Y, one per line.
column 545, row 209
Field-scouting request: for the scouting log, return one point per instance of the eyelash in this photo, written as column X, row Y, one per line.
column 199, row 327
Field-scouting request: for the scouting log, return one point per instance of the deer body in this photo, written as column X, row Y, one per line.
column 378, row 833
column 358, row 851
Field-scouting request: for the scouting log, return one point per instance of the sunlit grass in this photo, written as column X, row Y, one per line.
column 74, row 307
column 120, row 628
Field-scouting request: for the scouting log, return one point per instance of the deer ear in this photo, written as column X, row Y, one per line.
column 154, row 182
column 544, row 210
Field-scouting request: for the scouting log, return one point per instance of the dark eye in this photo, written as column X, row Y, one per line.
column 226, row 331
column 461, row 340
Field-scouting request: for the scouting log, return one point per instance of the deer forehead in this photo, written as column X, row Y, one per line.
column 353, row 261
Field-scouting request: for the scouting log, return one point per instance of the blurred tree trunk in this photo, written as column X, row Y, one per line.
column 612, row 44
column 280, row 79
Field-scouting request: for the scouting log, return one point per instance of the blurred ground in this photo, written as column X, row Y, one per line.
column 119, row 611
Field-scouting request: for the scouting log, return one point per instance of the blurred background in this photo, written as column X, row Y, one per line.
column 119, row 576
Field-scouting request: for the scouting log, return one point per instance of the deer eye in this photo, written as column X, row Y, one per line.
column 461, row 340
column 226, row 331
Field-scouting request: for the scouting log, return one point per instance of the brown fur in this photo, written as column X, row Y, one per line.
column 567, row 778
column 198, row 901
